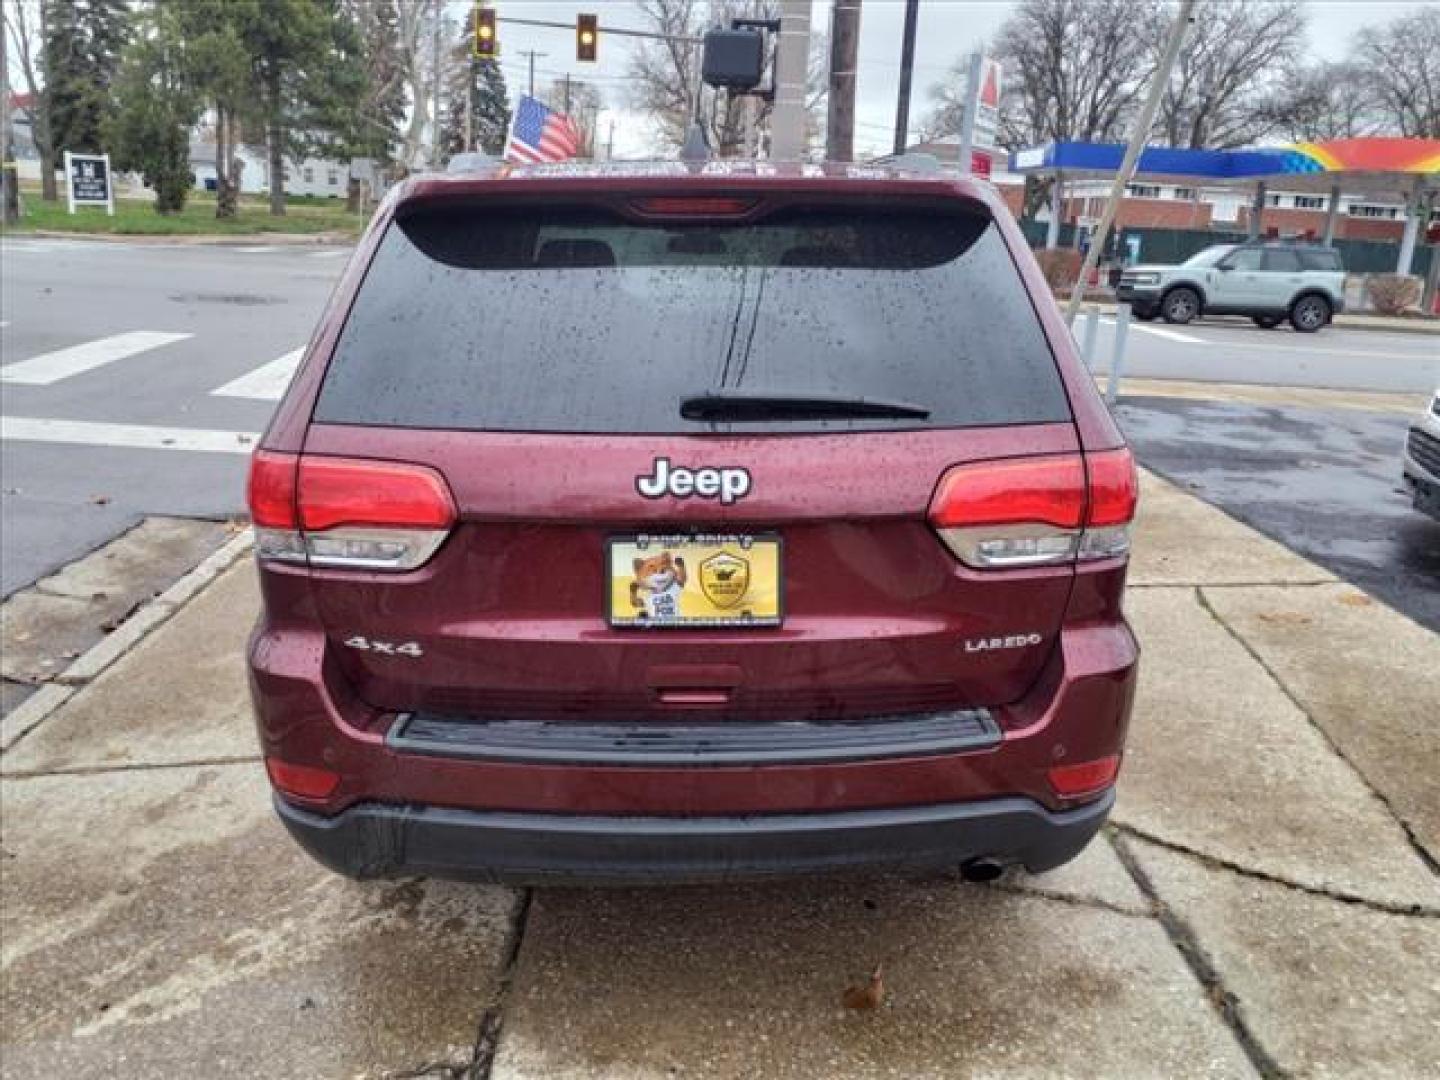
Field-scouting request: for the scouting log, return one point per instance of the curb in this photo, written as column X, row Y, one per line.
column 330, row 239
column 1420, row 327
column 95, row 660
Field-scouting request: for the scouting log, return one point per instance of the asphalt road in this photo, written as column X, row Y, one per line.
column 242, row 308
column 1238, row 351
column 134, row 376
column 1323, row 482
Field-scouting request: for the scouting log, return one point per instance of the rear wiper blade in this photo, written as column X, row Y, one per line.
column 766, row 405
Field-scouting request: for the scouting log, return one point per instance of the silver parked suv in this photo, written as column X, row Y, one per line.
column 1422, row 460
column 1270, row 282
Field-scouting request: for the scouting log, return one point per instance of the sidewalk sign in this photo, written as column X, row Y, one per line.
column 89, row 182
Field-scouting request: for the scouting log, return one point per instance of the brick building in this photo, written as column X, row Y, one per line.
column 1286, row 214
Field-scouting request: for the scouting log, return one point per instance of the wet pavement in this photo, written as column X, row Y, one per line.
column 1265, row 901
column 1325, row 482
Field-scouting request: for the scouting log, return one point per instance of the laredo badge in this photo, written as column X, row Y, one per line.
column 725, row 578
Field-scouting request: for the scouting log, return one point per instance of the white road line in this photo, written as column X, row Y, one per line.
column 127, row 436
column 328, row 254
column 53, row 366
column 1171, row 335
column 261, row 250
column 266, row 382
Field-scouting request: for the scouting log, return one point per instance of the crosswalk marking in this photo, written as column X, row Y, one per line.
column 51, row 367
column 266, row 382
column 128, row 436
column 1171, row 335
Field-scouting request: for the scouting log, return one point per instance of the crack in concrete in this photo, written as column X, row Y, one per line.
column 1216, row 862
column 136, row 766
column 1231, row 584
column 1183, row 937
column 445, row 1069
column 1428, row 860
column 1015, row 888
column 492, row 1023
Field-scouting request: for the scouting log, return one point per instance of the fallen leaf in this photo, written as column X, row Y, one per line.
column 866, row 996
column 1356, row 599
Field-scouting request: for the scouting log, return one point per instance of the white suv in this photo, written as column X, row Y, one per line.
column 1422, row 460
column 1270, row 282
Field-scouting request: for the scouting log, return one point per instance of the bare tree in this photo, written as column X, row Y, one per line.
column 417, row 64
column 666, row 77
column 1402, row 64
column 1325, row 101
column 1231, row 74
column 24, row 23
column 1073, row 69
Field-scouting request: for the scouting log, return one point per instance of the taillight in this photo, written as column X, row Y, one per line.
column 348, row 513
column 693, row 206
column 1037, row 511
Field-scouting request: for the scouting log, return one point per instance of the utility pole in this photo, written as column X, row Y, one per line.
column 907, row 67
column 844, row 50
column 435, row 104
column 470, row 104
column 610, row 143
column 567, row 93
column 792, row 53
column 1138, row 136
column 532, row 54
column 9, row 178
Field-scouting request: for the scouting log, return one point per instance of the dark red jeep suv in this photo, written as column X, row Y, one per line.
column 677, row 522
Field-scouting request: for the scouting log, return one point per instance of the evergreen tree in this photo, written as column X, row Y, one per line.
column 480, row 85
column 156, row 107
column 84, row 40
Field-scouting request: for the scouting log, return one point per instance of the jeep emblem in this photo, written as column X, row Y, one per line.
column 726, row 484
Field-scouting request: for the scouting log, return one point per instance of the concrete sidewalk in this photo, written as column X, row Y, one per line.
column 1266, row 902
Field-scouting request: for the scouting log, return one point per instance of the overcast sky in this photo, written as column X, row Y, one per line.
column 948, row 29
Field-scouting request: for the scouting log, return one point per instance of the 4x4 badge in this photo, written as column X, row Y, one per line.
column 725, row 484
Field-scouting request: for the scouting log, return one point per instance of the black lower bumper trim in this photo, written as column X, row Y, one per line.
column 373, row 840
column 706, row 745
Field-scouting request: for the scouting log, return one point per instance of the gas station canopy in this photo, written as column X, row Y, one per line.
column 1374, row 164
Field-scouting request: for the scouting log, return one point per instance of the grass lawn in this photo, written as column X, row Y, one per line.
column 137, row 217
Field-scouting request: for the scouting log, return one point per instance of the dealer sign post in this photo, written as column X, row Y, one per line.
column 88, row 181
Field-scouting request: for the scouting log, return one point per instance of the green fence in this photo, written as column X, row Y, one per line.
column 1170, row 246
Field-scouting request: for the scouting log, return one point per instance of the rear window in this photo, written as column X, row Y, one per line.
column 580, row 321
column 1282, row 261
column 1319, row 259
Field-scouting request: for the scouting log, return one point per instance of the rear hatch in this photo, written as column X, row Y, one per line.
column 694, row 449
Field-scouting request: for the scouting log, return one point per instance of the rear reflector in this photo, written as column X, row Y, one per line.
column 301, row 781
column 1037, row 511
column 348, row 513
column 1084, row 777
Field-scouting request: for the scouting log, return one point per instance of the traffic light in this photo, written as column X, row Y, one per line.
column 487, row 46
column 587, row 37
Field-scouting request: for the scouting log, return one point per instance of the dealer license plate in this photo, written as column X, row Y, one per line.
column 694, row 581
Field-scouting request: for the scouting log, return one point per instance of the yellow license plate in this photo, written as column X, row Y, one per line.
column 695, row 581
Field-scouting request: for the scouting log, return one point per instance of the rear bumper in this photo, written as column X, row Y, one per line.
column 373, row 840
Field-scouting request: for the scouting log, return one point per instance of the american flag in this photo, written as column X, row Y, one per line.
column 538, row 133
